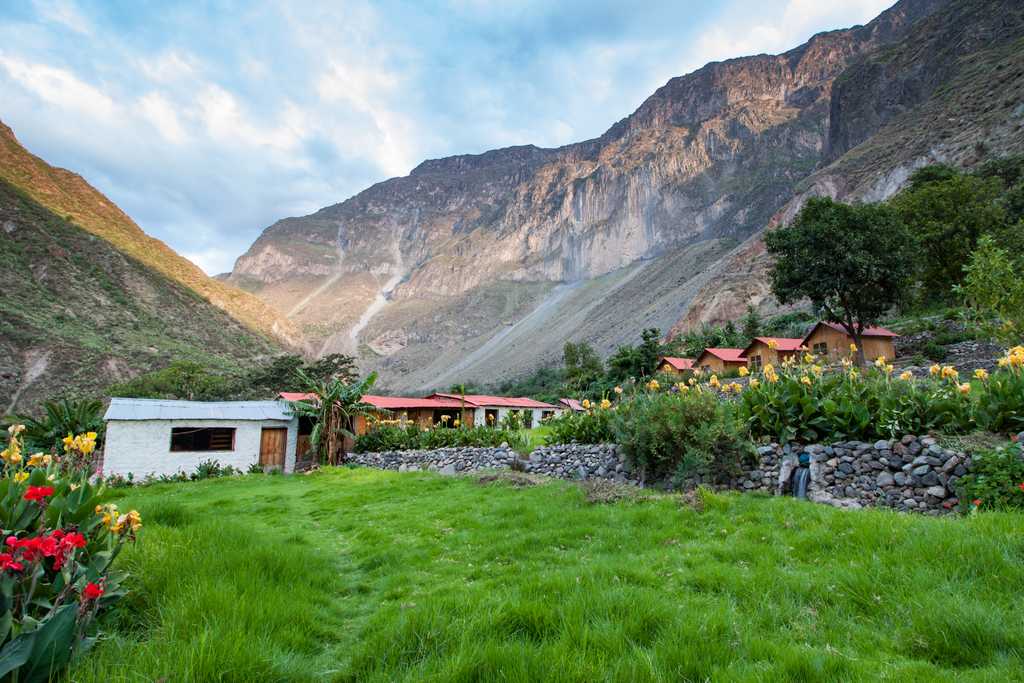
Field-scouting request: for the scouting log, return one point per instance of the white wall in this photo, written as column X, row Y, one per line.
column 143, row 447
column 480, row 415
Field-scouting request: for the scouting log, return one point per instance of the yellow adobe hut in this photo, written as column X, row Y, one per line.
column 764, row 350
column 720, row 361
column 830, row 340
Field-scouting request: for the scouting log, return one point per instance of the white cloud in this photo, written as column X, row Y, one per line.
column 155, row 108
column 65, row 13
column 60, row 87
column 169, row 66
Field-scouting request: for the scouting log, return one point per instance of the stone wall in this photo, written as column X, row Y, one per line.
column 909, row 474
column 580, row 461
column 566, row 461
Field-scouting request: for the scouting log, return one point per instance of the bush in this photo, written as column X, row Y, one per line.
column 685, row 433
column 592, row 426
column 411, row 437
column 208, row 469
column 60, row 546
column 996, row 480
column 801, row 403
column 60, row 418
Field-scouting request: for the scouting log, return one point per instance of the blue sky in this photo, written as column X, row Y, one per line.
column 208, row 121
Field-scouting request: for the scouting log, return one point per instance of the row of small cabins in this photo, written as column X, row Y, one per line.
column 155, row 437
column 825, row 340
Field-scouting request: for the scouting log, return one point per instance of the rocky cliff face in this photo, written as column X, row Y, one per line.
column 709, row 159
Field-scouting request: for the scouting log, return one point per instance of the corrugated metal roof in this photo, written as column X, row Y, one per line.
column 678, row 363
column 160, row 409
column 483, row 400
column 389, row 402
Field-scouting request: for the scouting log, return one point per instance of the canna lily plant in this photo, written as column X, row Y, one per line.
column 60, row 543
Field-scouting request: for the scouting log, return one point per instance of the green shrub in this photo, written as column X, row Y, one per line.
column 411, row 437
column 682, row 434
column 591, row 426
column 209, row 469
column 1001, row 409
column 996, row 480
column 60, row 418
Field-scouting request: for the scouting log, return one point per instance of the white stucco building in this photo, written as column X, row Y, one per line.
column 491, row 410
column 153, row 436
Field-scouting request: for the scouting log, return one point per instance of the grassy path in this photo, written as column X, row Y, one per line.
column 360, row 575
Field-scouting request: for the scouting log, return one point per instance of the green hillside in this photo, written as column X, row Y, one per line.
column 77, row 314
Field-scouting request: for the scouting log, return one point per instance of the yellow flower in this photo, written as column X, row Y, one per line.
column 618, row 390
column 805, row 380
column 853, row 348
column 691, row 381
column 949, row 372
column 20, row 476
column 47, row 459
column 743, row 371
column 726, row 388
column 75, row 487
column 817, row 370
column 808, row 357
column 36, row 459
column 772, row 344
column 754, row 383
column 906, row 375
column 456, row 423
column 880, row 362
column 15, row 429
column 586, row 404
column 847, row 362
column 134, row 520
column 853, row 373
column 14, row 457
column 737, row 387
column 605, row 404
column 653, row 385
column 935, row 370
column 981, row 373
column 714, row 381
column 445, row 418
column 965, row 388
column 770, row 374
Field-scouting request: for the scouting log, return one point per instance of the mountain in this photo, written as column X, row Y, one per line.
column 78, row 314
column 479, row 267
column 68, row 195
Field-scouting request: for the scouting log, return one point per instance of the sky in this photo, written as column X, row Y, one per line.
column 208, row 121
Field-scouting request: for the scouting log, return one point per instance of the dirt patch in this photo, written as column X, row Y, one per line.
column 516, row 479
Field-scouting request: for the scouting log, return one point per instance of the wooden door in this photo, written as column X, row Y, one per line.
column 273, row 443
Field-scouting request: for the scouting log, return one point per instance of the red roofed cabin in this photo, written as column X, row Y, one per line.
column 831, row 340
column 720, row 361
column 764, row 350
column 674, row 366
column 423, row 412
column 491, row 410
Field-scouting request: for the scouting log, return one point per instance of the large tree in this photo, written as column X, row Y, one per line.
column 852, row 261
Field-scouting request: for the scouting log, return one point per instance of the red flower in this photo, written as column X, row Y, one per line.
column 1021, row 486
column 38, row 493
column 7, row 562
column 92, row 591
column 976, row 502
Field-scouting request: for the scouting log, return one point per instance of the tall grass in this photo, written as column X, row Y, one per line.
column 361, row 575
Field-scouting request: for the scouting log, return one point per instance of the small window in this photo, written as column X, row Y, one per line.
column 755, row 362
column 202, row 439
column 821, row 349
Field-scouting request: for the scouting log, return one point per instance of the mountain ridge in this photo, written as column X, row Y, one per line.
column 713, row 156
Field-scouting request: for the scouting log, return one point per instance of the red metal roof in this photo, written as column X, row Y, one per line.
column 388, row 402
column 781, row 343
column 572, row 404
column 678, row 363
column 485, row 401
column 729, row 355
column 868, row 331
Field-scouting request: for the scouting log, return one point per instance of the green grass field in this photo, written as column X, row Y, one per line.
column 357, row 575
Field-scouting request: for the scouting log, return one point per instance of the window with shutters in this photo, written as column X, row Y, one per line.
column 202, row 438
column 755, row 362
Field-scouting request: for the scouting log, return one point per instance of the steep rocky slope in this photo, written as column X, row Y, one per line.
column 482, row 266
column 77, row 314
column 69, row 195
column 952, row 92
